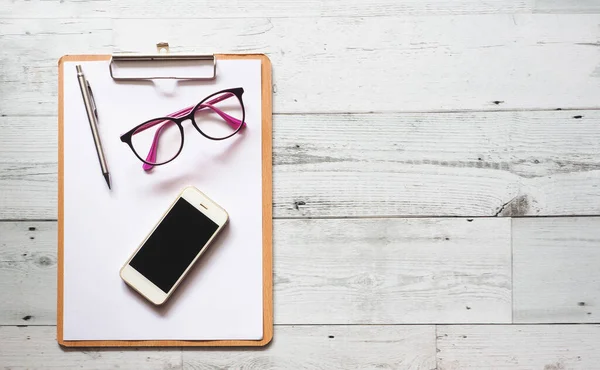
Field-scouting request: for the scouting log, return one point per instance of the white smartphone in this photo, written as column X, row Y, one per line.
column 177, row 241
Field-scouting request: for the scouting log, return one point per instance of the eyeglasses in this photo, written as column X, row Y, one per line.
column 217, row 117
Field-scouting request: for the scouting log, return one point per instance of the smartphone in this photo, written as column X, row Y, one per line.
column 177, row 241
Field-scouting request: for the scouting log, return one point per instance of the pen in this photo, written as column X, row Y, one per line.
column 92, row 113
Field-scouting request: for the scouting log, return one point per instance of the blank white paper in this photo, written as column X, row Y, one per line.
column 222, row 296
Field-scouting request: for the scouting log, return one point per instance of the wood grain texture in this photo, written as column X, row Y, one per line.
column 447, row 164
column 28, row 167
column 555, row 271
column 483, row 62
column 27, row 273
column 353, row 56
column 379, row 271
column 518, row 347
column 404, row 63
column 29, row 54
column 411, row 164
column 393, row 271
column 567, row 6
column 36, row 348
column 202, row 9
column 328, row 347
column 304, row 347
column 54, row 9
column 313, row 8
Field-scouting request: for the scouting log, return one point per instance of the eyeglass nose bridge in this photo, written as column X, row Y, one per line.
column 180, row 120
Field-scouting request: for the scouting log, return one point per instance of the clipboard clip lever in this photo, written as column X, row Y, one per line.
column 163, row 57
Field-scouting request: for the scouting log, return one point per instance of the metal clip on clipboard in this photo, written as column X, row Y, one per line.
column 162, row 57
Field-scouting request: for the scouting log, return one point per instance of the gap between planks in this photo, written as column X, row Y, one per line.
column 431, row 111
column 374, row 217
column 516, row 324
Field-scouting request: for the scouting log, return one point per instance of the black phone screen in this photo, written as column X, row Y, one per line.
column 173, row 245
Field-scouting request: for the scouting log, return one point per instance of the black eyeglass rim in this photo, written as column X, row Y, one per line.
column 237, row 91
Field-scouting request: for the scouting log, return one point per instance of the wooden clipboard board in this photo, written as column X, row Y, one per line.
column 267, row 224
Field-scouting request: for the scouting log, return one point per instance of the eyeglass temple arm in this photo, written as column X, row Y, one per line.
column 151, row 157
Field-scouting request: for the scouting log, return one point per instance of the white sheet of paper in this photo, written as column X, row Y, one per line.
column 222, row 296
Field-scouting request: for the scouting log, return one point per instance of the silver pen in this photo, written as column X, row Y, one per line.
column 92, row 113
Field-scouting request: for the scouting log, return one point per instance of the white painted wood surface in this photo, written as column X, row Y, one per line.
column 28, row 171
column 29, row 53
column 556, row 278
column 546, row 347
column 379, row 64
column 370, row 271
column 396, row 64
column 410, row 164
column 394, row 108
column 567, row 6
column 445, row 164
column 392, row 271
column 36, row 9
column 36, row 348
column 202, row 9
column 300, row 347
column 390, row 64
column 518, row 347
column 28, row 273
column 329, row 347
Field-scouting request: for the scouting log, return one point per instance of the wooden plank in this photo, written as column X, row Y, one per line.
column 28, row 167
column 284, row 9
column 199, row 9
column 54, row 9
column 410, row 164
column 311, row 8
column 555, row 267
column 328, row 347
column 395, row 64
column 29, row 53
column 457, row 164
column 36, row 348
column 332, row 65
column 394, row 271
column 518, row 347
column 567, row 6
column 28, row 273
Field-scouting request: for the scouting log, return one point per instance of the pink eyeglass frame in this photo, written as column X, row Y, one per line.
column 178, row 118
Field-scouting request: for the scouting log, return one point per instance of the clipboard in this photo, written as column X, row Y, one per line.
column 267, row 256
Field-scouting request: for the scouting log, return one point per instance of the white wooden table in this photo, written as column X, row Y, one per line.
column 436, row 177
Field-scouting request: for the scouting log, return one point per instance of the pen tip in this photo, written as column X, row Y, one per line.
column 107, row 179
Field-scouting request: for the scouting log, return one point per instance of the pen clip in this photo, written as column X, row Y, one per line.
column 92, row 100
